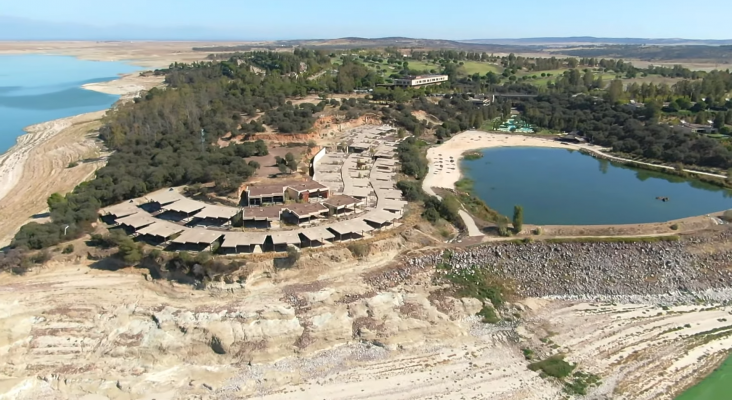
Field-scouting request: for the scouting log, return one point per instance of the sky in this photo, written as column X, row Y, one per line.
column 455, row 19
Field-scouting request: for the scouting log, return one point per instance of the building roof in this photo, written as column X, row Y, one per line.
column 121, row 210
column 218, row 212
column 380, row 217
column 390, row 194
column 266, row 190
column 197, row 236
column 164, row 197
column 163, row 229
column 234, row 239
column 285, row 237
column 184, row 205
column 382, row 185
column 307, row 186
column 385, row 162
column 359, row 192
column 307, row 209
column 271, row 213
column 137, row 221
column 317, row 233
column 360, row 145
column 340, row 201
column 382, row 175
column 351, row 226
column 391, row 205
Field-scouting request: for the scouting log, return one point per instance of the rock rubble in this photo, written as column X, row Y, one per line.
column 601, row 269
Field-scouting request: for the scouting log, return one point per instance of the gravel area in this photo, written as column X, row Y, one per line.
column 604, row 270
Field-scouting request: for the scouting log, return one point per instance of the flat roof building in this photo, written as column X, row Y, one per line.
column 420, row 80
column 242, row 242
column 258, row 195
column 301, row 213
column 197, row 239
column 340, row 204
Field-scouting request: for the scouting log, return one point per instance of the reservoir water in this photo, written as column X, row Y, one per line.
column 563, row 187
column 39, row 88
column 717, row 386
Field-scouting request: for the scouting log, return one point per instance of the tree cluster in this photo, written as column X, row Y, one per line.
column 626, row 131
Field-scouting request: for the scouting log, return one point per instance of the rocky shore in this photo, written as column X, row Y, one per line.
column 668, row 271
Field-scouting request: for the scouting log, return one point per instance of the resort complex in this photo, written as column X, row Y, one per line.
column 351, row 196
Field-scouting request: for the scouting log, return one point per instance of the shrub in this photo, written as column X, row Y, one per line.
column 727, row 216
column 73, row 164
column 68, row 249
column 489, row 315
column 359, row 249
column 554, row 366
column 293, row 255
column 528, row 353
column 536, row 231
column 41, row 257
column 675, row 227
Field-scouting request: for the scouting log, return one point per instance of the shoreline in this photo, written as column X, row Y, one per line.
column 444, row 170
column 69, row 146
column 443, row 160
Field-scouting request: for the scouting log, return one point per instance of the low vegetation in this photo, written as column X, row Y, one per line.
column 554, row 366
column 359, row 249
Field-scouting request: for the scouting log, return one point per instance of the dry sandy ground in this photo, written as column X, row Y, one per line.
column 69, row 331
column 37, row 165
column 146, row 54
column 444, row 160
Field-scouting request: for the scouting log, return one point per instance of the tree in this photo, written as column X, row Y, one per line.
column 129, row 251
column 283, row 168
column 614, row 91
column 518, row 218
column 719, row 120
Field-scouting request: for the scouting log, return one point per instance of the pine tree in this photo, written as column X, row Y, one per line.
column 518, row 218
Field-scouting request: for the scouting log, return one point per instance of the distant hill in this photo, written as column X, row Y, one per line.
column 578, row 40
column 401, row 42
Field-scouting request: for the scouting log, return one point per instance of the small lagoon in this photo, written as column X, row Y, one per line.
column 39, row 88
column 564, row 187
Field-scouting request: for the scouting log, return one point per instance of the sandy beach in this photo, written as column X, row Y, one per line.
column 37, row 165
column 444, row 160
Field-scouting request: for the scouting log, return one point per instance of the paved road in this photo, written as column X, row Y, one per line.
column 470, row 224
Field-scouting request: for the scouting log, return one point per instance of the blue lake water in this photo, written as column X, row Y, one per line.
column 561, row 187
column 39, row 88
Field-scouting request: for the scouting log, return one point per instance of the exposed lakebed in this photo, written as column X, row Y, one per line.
column 563, row 187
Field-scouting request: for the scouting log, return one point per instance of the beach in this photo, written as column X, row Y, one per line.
column 444, row 160
column 38, row 164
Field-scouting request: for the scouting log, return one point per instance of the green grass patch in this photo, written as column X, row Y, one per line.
column 580, row 382
column 554, row 366
column 477, row 207
column 482, row 68
column 478, row 284
column 472, row 155
column 489, row 315
column 423, row 66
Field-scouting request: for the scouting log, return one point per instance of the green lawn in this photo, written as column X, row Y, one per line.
column 482, row 68
column 423, row 65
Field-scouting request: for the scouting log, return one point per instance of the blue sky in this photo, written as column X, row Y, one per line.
column 456, row 19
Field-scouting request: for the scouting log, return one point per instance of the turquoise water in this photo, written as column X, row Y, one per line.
column 716, row 386
column 38, row 88
column 562, row 187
